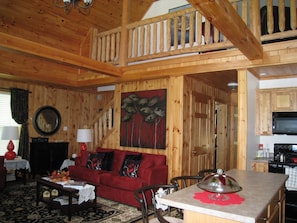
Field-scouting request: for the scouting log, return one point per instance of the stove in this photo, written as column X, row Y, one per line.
column 283, row 162
column 284, row 156
column 285, row 153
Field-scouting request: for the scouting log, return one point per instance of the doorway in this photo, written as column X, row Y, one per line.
column 201, row 154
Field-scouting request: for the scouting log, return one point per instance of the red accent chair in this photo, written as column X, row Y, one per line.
column 3, row 173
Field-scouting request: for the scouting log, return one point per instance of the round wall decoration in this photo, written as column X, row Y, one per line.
column 47, row 120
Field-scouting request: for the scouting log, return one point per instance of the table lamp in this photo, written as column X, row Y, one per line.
column 84, row 136
column 10, row 133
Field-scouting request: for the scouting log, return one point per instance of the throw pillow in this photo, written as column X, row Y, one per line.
column 107, row 158
column 95, row 161
column 130, row 165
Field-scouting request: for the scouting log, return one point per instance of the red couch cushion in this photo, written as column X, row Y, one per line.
column 79, row 172
column 151, row 160
column 121, row 182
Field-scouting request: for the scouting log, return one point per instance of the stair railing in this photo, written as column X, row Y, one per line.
column 103, row 124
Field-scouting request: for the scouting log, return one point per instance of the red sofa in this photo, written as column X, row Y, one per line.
column 111, row 184
column 3, row 173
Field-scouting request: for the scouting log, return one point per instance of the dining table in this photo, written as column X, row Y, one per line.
column 253, row 203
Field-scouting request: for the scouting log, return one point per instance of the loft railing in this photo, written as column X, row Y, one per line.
column 187, row 31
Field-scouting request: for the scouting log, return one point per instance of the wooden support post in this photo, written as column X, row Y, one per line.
column 124, row 37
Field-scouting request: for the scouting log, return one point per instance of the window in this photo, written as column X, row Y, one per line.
column 6, row 120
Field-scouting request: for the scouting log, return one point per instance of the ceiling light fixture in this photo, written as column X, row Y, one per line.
column 83, row 6
column 233, row 86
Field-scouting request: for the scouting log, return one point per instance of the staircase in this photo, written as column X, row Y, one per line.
column 103, row 124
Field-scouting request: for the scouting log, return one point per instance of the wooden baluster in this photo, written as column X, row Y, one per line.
column 99, row 46
column 103, row 56
column 293, row 14
column 207, row 32
column 270, row 21
column 175, row 31
column 191, row 28
column 182, row 30
column 130, row 50
column 162, row 36
column 199, row 29
column 94, row 44
column 107, row 49
column 154, row 38
column 148, row 39
column 141, row 41
column 135, row 42
column 100, row 129
column 168, row 34
column 118, row 43
column 112, row 46
column 281, row 14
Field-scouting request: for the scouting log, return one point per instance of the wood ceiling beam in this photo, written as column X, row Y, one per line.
column 13, row 43
column 224, row 17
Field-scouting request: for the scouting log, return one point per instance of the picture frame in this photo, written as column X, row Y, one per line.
column 47, row 120
column 143, row 119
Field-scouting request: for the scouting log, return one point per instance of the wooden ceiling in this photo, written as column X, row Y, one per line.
column 41, row 22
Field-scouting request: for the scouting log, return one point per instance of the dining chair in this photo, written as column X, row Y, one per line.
column 152, row 211
column 181, row 182
column 185, row 181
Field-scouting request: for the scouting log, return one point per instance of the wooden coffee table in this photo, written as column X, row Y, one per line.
column 68, row 192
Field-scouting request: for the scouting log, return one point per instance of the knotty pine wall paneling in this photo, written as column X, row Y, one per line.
column 174, row 116
column 178, row 111
column 77, row 109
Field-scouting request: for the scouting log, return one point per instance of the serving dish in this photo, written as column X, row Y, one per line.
column 219, row 184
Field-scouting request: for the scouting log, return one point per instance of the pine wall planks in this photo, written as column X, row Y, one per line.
column 76, row 108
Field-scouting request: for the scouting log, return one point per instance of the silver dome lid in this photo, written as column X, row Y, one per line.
column 219, row 183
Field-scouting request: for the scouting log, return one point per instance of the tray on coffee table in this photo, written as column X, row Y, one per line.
column 64, row 195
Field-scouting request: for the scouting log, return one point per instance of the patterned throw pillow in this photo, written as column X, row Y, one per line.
column 100, row 161
column 94, row 161
column 130, row 165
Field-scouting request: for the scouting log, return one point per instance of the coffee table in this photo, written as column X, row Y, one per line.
column 71, row 193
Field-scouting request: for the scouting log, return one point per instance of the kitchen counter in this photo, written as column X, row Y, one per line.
column 258, row 191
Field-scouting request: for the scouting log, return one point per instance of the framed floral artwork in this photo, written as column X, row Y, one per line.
column 143, row 119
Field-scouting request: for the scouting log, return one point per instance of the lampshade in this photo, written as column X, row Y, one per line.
column 10, row 133
column 84, row 135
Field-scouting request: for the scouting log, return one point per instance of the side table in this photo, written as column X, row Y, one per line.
column 16, row 164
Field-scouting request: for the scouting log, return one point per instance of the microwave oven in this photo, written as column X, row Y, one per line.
column 284, row 123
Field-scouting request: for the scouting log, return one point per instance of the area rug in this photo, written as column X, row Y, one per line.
column 18, row 205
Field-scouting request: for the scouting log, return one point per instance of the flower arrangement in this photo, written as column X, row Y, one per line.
column 59, row 175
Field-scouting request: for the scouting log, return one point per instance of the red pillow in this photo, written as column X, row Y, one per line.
column 130, row 165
